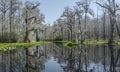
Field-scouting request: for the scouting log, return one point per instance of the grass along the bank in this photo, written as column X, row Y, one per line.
column 11, row 46
column 95, row 42
column 117, row 43
column 87, row 42
column 100, row 42
column 70, row 44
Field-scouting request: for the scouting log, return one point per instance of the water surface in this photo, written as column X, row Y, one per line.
column 57, row 58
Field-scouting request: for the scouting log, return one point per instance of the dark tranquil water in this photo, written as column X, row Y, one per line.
column 56, row 58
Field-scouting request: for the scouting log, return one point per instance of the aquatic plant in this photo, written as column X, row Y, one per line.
column 11, row 46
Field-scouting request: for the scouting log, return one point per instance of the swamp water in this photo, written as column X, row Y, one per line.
column 57, row 58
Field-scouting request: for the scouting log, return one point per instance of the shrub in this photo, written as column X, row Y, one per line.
column 59, row 38
column 8, row 37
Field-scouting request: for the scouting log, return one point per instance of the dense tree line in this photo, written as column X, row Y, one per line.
column 81, row 22
column 18, row 20
column 24, row 22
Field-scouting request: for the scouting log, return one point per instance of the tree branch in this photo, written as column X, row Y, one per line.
column 101, row 5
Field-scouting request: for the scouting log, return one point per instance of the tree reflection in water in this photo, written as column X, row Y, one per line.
column 80, row 59
column 22, row 60
column 114, row 59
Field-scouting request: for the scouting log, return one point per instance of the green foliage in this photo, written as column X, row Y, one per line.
column 95, row 42
column 11, row 46
column 71, row 44
column 8, row 37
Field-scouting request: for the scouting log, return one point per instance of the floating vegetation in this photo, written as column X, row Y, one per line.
column 95, row 42
column 71, row 44
column 11, row 46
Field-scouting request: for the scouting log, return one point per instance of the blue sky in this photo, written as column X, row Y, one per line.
column 53, row 9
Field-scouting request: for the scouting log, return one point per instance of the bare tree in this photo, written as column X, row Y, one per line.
column 112, row 8
column 69, row 14
column 104, row 17
column 79, row 13
column 14, row 5
column 3, row 8
column 87, row 10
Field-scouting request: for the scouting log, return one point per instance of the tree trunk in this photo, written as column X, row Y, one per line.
column 112, row 28
column 10, row 16
column 26, row 27
column 104, row 26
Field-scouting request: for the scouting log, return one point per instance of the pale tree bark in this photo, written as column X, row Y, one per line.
column 69, row 14
column 112, row 8
column 87, row 10
column 29, row 17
